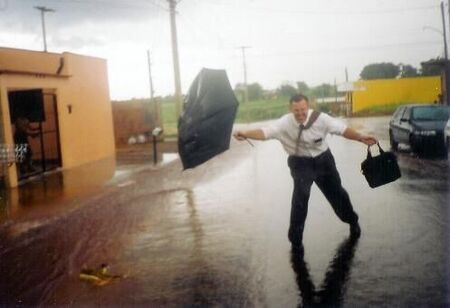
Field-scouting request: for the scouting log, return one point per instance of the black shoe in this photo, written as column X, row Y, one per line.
column 355, row 230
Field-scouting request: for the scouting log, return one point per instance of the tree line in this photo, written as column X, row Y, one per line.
column 384, row 70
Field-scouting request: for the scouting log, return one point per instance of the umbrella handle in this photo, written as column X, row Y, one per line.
column 249, row 142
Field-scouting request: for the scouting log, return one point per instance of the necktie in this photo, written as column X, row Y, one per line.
column 300, row 130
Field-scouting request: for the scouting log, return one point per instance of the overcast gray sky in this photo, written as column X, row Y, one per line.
column 290, row 40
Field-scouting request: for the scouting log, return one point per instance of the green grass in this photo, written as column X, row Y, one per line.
column 170, row 121
column 253, row 111
column 262, row 110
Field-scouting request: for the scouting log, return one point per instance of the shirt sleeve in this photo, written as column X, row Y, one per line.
column 272, row 131
column 334, row 126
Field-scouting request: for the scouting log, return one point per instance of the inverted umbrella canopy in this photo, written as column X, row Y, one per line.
column 205, row 125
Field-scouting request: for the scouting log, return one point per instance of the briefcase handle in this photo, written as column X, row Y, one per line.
column 369, row 154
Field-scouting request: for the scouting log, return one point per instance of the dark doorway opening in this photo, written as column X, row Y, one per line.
column 34, row 121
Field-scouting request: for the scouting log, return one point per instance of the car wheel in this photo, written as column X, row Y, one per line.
column 394, row 145
column 413, row 145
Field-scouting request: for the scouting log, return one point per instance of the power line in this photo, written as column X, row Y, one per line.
column 159, row 6
column 321, row 12
column 108, row 10
column 351, row 48
column 161, row 29
column 112, row 4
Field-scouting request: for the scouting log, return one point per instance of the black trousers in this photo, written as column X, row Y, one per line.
column 322, row 171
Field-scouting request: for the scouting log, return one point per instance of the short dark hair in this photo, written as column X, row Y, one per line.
column 298, row 97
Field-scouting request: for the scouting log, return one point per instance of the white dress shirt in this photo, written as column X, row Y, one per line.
column 312, row 141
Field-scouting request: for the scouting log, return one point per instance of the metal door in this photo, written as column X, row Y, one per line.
column 41, row 111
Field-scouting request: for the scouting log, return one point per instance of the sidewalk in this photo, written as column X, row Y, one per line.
column 43, row 198
column 83, row 217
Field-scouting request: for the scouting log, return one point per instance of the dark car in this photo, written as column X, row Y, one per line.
column 420, row 126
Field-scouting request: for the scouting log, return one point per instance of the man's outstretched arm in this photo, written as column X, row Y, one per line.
column 256, row 134
column 352, row 134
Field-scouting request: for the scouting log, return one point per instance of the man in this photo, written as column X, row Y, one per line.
column 23, row 129
column 310, row 160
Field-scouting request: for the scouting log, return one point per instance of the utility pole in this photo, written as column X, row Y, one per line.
column 335, row 90
column 448, row 3
column 176, row 64
column 153, row 103
column 348, row 95
column 443, row 31
column 150, row 75
column 44, row 10
column 245, row 73
column 445, row 77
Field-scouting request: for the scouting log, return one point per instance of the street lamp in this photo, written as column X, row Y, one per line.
column 44, row 10
column 443, row 36
column 445, row 74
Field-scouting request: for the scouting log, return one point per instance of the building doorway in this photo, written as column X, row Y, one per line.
column 34, row 121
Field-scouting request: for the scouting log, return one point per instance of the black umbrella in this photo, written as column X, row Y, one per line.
column 205, row 125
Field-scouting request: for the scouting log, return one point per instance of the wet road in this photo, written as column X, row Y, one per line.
column 217, row 236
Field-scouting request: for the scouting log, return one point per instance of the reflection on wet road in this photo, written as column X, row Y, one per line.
column 217, row 236
column 332, row 290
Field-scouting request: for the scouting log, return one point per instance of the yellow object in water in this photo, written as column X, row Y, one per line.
column 98, row 277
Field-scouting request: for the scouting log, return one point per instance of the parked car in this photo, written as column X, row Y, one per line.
column 447, row 135
column 420, row 126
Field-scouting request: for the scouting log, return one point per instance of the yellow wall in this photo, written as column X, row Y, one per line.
column 32, row 61
column 86, row 134
column 370, row 93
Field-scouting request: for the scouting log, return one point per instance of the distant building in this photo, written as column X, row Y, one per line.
column 65, row 96
column 364, row 94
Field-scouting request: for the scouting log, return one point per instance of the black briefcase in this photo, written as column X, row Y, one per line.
column 381, row 169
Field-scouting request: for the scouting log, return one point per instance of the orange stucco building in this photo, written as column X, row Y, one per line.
column 66, row 99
